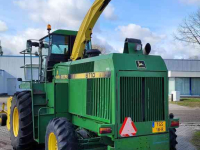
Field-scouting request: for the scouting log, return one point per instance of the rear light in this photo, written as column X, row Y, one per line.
column 105, row 130
column 174, row 123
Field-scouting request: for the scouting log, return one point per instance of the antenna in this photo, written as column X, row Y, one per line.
column 1, row 51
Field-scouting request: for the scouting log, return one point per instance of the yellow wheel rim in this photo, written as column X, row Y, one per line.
column 16, row 122
column 52, row 143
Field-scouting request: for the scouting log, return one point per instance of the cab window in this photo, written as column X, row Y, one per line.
column 60, row 44
column 88, row 45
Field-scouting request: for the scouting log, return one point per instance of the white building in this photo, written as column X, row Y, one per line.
column 10, row 70
column 184, row 76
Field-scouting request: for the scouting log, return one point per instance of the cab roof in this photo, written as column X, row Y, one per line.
column 62, row 32
column 65, row 32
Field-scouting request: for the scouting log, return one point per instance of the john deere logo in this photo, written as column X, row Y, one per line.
column 140, row 64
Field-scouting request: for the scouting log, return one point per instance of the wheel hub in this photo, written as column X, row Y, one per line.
column 52, row 143
column 16, row 122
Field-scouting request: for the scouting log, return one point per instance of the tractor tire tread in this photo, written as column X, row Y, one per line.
column 24, row 140
column 64, row 132
column 173, row 139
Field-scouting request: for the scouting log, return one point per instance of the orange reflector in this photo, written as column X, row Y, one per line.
column 105, row 130
column 48, row 27
column 174, row 123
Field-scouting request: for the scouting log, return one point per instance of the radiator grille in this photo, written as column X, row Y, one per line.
column 98, row 97
column 142, row 98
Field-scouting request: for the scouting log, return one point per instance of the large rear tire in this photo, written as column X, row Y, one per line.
column 173, row 141
column 21, row 124
column 60, row 135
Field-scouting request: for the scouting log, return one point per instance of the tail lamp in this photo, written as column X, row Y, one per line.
column 175, row 123
column 105, row 130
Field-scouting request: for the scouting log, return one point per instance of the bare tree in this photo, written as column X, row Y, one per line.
column 189, row 30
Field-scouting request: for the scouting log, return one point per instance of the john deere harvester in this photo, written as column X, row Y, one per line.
column 83, row 100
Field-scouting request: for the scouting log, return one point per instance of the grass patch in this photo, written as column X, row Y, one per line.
column 189, row 102
column 196, row 140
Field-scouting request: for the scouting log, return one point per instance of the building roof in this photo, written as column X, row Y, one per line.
column 183, row 65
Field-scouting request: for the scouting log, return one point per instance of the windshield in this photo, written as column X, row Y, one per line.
column 60, row 44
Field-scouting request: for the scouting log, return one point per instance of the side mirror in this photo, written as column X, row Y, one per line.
column 19, row 79
column 29, row 45
column 44, row 45
column 36, row 44
column 147, row 49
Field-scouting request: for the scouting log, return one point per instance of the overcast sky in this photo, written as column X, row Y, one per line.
column 152, row 21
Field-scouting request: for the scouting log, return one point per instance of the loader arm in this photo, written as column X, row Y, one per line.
column 85, row 31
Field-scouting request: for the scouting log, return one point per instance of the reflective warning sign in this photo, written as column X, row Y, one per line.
column 128, row 128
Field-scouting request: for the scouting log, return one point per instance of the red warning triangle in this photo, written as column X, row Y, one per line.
column 128, row 128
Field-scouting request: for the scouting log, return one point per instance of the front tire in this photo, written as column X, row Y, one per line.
column 21, row 124
column 173, row 141
column 60, row 135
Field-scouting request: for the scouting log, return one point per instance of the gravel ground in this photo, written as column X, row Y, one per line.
column 185, row 114
column 185, row 132
column 190, row 122
column 4, row 139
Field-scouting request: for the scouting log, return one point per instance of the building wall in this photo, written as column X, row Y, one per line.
column 182, row 85
column 195, row 84
column 35, row 73
column 171, row 85
column 186, row 86
column 2, row 81
column 12, row 70
column 12, row 64
column 184, row 76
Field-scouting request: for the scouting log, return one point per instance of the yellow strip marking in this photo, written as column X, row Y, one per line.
column 62, row 77
column 91, row 75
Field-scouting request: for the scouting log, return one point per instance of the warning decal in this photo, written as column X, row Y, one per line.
column 128, row 128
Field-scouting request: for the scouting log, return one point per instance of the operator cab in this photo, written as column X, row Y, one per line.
column 60, row 45
column 55, row 48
